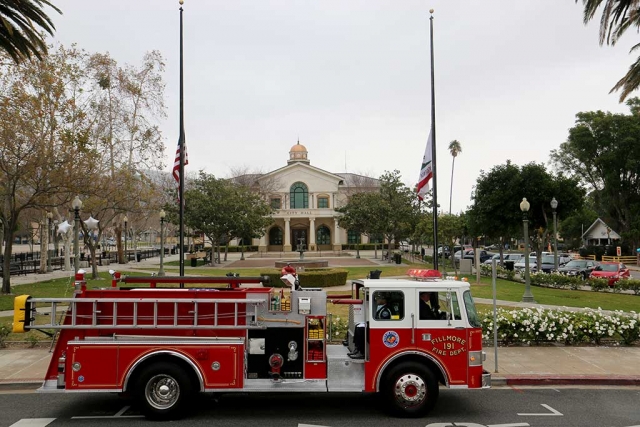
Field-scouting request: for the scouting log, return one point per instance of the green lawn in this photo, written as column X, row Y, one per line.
column 512, row 291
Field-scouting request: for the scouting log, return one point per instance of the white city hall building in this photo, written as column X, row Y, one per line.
column 304, row 198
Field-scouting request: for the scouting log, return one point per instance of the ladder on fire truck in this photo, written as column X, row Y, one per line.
column 107, row 313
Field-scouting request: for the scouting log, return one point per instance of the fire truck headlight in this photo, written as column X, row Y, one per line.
column 76, row 366
column 475, row 358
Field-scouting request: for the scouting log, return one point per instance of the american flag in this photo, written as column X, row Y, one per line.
column 176, row 162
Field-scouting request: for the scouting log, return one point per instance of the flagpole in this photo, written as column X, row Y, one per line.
column 182, row 153
column 433, row 153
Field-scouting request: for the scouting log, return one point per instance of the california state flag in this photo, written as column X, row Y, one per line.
column 426, row 171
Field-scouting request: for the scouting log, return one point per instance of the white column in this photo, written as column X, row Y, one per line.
column 262, row 246
column 287, row 235
column 312, row 233
column 337, row 245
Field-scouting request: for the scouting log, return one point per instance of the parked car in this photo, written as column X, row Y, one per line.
column 404, row 246
column 612, row 271
column 578, row 267
column 548, row 263
column 446, row 250
column 470, row 254
column 505, row 257
column 519, row 266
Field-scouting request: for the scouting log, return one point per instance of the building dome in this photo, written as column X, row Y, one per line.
column 298, row 153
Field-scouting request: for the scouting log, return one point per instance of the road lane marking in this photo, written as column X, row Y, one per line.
column 117, row 415
column 33, row 422
column 552, row 413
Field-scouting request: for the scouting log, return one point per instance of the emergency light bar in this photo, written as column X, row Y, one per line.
column 424, row 274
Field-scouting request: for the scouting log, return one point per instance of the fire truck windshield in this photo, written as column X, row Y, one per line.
column 472, row 314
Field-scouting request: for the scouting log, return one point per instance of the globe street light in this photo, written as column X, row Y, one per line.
column 76, row 204
column 528, row 296
column 126, row 257
column 49, row 238
column 554, row 205
column 162, row 215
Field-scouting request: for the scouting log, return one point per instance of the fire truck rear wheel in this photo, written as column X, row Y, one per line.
column 163, row 390
column 410, row 390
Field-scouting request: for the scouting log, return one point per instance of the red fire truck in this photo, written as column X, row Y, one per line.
column 161, row 344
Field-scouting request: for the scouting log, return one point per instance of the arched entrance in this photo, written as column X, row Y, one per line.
column 299, row 235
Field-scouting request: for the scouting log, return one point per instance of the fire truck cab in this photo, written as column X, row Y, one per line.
column 163, row 345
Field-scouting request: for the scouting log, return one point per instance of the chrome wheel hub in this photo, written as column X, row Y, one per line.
column 410, row 390
column 162, row 391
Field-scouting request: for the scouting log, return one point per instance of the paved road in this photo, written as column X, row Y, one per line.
column 504, row 407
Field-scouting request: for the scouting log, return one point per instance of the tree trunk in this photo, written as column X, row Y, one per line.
column 44, row 244
column 6, row 266
column 453, row 164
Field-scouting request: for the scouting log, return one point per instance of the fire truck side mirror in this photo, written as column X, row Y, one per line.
column 22, row 313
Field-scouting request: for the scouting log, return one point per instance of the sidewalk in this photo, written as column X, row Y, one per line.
column 544, row 365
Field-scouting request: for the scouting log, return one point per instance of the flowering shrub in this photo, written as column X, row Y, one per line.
column 338, row 328
column 538, row 325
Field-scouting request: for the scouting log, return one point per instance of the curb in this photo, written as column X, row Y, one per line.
column 582, row 380
column 30, row 384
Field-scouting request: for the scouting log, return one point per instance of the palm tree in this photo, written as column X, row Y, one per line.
column 454, row 149
column 617, row 17
column 19, row 36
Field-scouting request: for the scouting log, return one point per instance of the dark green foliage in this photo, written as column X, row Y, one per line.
column 19, row 36
column 310, row 278
column 496, row 210
column 603, row 152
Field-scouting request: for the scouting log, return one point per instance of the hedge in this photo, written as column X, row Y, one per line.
column 310, row 278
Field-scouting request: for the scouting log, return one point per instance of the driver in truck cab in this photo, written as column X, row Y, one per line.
column 383, row 311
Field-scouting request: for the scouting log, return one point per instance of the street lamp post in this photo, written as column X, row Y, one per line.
column 162, row 216
column 528, row 296
column 126, row 257
column 49, row 238
column 76, row 204
column 554, row 205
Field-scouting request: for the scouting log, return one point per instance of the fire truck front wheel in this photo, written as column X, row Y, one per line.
column 410, row 390
column 163, row 390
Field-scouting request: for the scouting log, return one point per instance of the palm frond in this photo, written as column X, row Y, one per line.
column 19, row 36
column 631, row 80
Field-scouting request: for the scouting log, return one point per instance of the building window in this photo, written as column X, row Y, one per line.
column 324, row 235
column 323, row 202
column 275, row 236
column 299, row 196
column 276, row 203
column 353, row 237
column 376, row 238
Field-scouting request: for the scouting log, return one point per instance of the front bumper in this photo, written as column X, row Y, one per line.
column 486, row 379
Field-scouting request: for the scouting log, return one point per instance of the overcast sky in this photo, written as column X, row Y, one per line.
column 351, row 79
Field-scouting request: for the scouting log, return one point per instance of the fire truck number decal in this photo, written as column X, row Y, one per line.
column 448, row 345
column 391, row 339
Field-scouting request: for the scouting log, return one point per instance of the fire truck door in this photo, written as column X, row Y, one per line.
column 441, row 331
column 391, row 317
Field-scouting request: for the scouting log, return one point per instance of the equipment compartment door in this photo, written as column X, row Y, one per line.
column 91, row 367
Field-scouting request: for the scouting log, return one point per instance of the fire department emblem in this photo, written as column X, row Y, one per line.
column 391, row 339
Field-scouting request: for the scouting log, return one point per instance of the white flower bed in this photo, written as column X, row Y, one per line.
column 526, row 325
